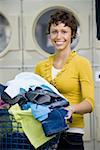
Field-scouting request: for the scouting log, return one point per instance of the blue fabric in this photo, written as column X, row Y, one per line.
column 45, row 87
column 55, row 122
column 2, row 88
column 22, row 91
column 40, row 112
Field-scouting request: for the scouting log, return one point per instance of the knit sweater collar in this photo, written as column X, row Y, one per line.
column 49, row 63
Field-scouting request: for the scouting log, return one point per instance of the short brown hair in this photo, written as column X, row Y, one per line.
column 65, row 17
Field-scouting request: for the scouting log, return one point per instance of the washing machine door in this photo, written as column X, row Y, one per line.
column 10, row 51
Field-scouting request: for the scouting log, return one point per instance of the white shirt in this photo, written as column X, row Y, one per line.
column 55, row 72
column 26, row 80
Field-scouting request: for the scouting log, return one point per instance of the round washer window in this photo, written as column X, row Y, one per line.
column 5, row 32
column 41, row 30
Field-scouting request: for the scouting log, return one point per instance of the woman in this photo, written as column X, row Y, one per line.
column 71, row 74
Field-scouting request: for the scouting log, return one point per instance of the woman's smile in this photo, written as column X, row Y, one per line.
column 60, row 36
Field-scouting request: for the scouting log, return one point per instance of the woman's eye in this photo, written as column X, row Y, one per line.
column 64, row 32
column 54, row 32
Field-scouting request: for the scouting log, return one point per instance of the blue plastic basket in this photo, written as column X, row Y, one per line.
column 10, row 136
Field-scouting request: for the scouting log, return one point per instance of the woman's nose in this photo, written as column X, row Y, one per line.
column 59, row 35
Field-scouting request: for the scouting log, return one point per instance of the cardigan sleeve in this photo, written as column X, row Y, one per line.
column 38, row 68
column 86, row 81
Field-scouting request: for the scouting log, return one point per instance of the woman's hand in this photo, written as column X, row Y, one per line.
column 81, row 108
column 71, row 110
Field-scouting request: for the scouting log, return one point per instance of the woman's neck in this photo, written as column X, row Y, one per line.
column 60, row 58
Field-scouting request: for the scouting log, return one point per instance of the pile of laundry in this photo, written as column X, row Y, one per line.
column 31, row 91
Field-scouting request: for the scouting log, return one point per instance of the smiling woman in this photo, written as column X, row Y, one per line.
column 64, row 70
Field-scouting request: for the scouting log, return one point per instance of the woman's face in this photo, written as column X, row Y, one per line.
column 60, row 36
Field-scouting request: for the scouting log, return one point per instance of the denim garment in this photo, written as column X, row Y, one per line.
column 71, row 141
column 2, row 88
column 20, row 99
column 38, row 96
column 56, row 122
column 41, row 96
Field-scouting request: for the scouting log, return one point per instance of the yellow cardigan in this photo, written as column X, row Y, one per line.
column 74, row 81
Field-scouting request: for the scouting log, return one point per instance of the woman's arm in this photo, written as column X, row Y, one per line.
column 82, row 108
column 86, row 89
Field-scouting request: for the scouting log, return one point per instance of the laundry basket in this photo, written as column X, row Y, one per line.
column 11, row 135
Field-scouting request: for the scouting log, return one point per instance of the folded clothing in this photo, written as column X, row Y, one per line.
column 31, row 127
column 46, row 97
column 40, row 112
column 56, row 122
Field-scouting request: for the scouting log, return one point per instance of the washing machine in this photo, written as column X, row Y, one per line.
column 10, row 45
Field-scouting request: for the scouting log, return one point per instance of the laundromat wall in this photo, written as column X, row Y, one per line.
column 25, row 43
